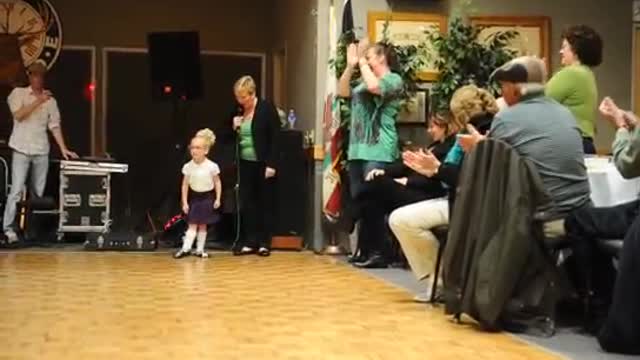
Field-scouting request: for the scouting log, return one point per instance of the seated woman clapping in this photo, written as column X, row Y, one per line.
column 386, row 190
column 412, row 224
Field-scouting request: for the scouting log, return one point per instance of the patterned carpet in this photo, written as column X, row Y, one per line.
column 68, row 305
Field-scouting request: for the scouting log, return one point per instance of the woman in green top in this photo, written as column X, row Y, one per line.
column 257, row 129
column 575, row 85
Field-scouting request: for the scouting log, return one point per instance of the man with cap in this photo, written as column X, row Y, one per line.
column 541, row 130
column 34, row 111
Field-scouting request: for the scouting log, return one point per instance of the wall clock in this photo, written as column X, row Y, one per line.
column 37, row 27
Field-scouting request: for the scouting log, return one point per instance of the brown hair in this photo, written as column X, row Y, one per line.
column 445, row 120
column 586, row 43
column 389, row 53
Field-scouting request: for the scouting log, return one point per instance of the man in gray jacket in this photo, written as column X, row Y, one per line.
column 541, row 130
column 621, row 329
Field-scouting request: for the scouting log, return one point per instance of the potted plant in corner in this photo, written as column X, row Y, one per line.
column 463, row 58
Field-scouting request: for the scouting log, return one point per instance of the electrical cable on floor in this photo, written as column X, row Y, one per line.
column 236, row 191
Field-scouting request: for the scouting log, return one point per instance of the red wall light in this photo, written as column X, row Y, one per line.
column 89, row 91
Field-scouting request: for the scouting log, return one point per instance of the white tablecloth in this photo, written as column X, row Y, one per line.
column 608, row 187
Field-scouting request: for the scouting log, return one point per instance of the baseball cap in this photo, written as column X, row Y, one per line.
column 522, row 70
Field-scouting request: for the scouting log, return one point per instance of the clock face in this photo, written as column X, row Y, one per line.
column 37, row 26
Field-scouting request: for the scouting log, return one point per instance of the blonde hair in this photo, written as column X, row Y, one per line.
column 245, row 85
column 469, row 101
column 207, row 136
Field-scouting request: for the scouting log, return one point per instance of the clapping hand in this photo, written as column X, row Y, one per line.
column 609, row 108
column 612, row 112
column 422, row 162
column 469, row 141
column 363, row 46
column 352, row 55
column 355, row 52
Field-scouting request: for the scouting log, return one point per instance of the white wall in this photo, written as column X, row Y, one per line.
column 296, row 31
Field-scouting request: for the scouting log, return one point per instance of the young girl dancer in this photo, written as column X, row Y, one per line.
column 201, row 190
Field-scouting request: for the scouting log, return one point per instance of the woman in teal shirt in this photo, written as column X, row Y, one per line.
column 575, row 85
column 375, row 104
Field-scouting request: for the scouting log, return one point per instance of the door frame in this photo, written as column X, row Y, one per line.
column 635, row 70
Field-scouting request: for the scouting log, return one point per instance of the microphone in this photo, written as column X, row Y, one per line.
column 239, row 112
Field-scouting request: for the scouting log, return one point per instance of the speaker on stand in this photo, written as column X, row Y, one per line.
column 175, row 66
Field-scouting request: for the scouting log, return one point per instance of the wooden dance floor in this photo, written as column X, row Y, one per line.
column 66, row 305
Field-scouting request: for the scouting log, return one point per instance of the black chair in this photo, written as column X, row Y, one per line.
column 440, row 232
column 37, row 224
column 549, row 228
column 559, row 247
column 612, row 247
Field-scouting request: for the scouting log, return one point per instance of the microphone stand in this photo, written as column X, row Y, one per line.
column 236, row 187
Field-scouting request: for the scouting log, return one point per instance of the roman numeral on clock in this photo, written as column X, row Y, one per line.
column 51, row 41
column 31, row 49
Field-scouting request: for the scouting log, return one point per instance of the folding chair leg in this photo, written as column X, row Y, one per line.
column 436, row 275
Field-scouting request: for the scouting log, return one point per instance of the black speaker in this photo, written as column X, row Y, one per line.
column 174, row 59
column 291, row 186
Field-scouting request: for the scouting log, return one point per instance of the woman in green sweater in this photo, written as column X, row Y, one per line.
column 575, row 85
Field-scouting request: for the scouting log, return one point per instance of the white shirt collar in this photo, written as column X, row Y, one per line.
column 30, row 89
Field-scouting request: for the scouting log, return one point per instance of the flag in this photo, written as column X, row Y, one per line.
column 347, row 17
column 333, row 135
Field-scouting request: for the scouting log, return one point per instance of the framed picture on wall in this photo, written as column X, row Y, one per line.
column 416, row 110
column 407, row 29
column 533, row 33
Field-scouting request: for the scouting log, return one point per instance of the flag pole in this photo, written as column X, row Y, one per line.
column 331, row 175
column 332, row 196
column 333, row 248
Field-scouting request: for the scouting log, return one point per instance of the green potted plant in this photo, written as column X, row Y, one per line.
column 462, row 57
